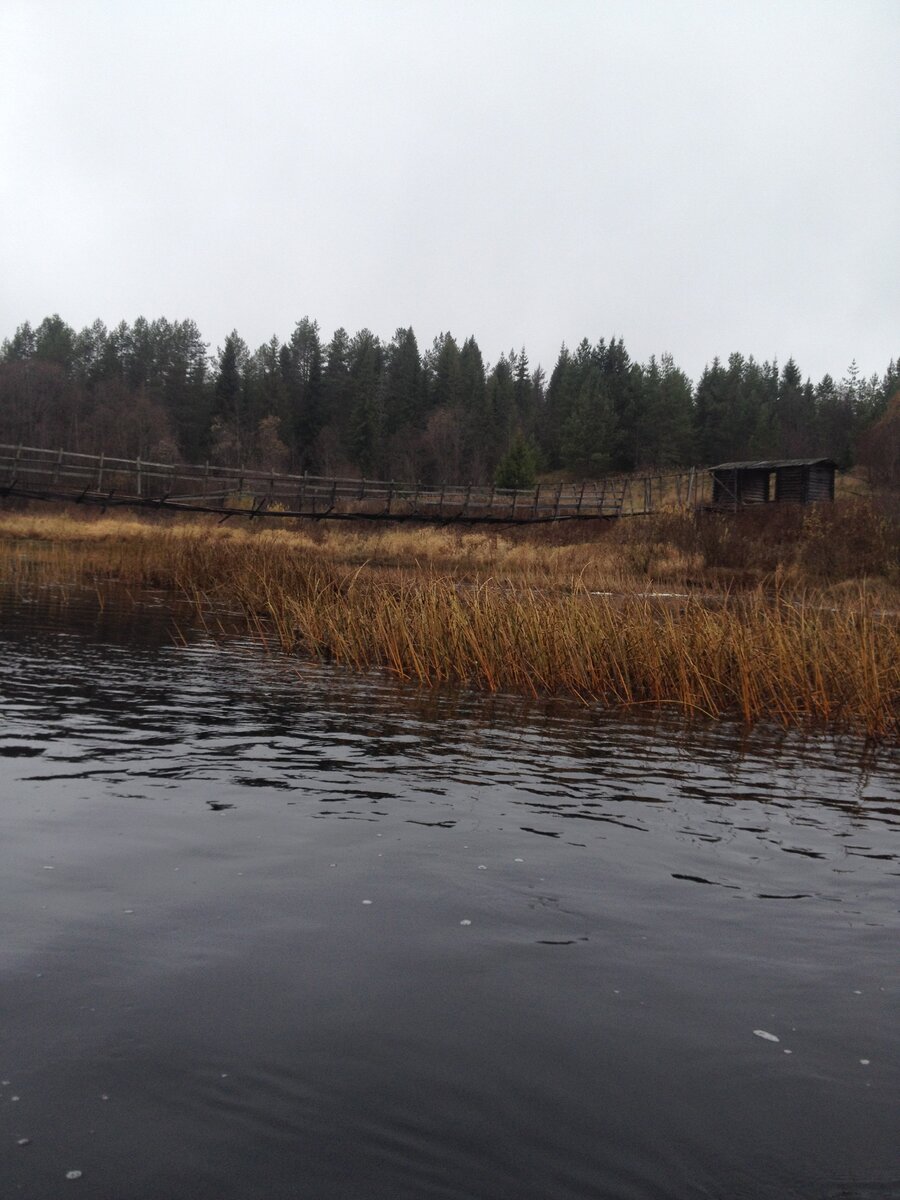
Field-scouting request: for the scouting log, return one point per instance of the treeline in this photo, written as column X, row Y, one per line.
column 360, row 405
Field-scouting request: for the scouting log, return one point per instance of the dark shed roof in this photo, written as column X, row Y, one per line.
column 774, row 464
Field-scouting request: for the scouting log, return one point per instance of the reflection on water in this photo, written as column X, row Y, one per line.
column 270, row 929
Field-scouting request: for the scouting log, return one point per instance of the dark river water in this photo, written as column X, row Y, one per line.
column 273, row 930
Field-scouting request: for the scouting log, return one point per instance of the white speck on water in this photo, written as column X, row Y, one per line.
column 788, row 1052
column 767, row 1037
column 128, row 911
column 4, row 1082
column 103, row 1096
column 378, row 835
column 865, row 1061
column 857, row 992
column 332, row 864
column 518, row 860
column 224, row 1075
column 46, row 868
column 367, row 901
column 482, row 867
column 14, row 1098
column 73, row 1174
column 465, row 921
column 24, row 1142
column 616, row 992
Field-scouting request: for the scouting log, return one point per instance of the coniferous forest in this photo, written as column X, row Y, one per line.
column 357, row 405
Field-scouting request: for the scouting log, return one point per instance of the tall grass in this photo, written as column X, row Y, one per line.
column 751, row 655
column 581, row 619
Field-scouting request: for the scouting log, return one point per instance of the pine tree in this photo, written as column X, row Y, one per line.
column 518, row 467
column 229, row 411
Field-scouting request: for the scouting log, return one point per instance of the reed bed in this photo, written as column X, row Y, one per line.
column 752, row 655
column 496, row 614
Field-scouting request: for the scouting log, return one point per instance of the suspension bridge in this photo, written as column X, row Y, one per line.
column 64, row 476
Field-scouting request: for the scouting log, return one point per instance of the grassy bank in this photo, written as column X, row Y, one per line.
column 792, row 618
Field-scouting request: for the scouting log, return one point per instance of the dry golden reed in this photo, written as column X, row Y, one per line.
column 491, row 612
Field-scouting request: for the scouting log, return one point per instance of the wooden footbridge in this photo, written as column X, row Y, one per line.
column 67, row 477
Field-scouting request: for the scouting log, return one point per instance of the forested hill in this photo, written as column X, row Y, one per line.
column 360, row 405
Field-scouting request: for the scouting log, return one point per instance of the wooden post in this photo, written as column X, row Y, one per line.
column 139, row 481
column 14, row 474
column 465, row 507
column 559, row 488
column 515, row 498
column 390, row 497
column 100, row 475
column 57, row 468
column 537, row 501
column 580, row 498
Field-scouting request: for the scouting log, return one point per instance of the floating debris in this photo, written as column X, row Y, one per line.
column 865, row 1061
column 482, row 867
column 367, row 901
column 23, row 1142
column 46, row 868
column 518, row 860
column 73, row 1174
column 465, row 921
column 767, row 1037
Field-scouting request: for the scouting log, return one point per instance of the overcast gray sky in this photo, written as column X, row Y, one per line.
column 695, row 177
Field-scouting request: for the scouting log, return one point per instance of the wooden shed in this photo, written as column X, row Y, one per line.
column 797, row 480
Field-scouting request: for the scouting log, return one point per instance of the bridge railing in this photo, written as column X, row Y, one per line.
column 101, row 479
